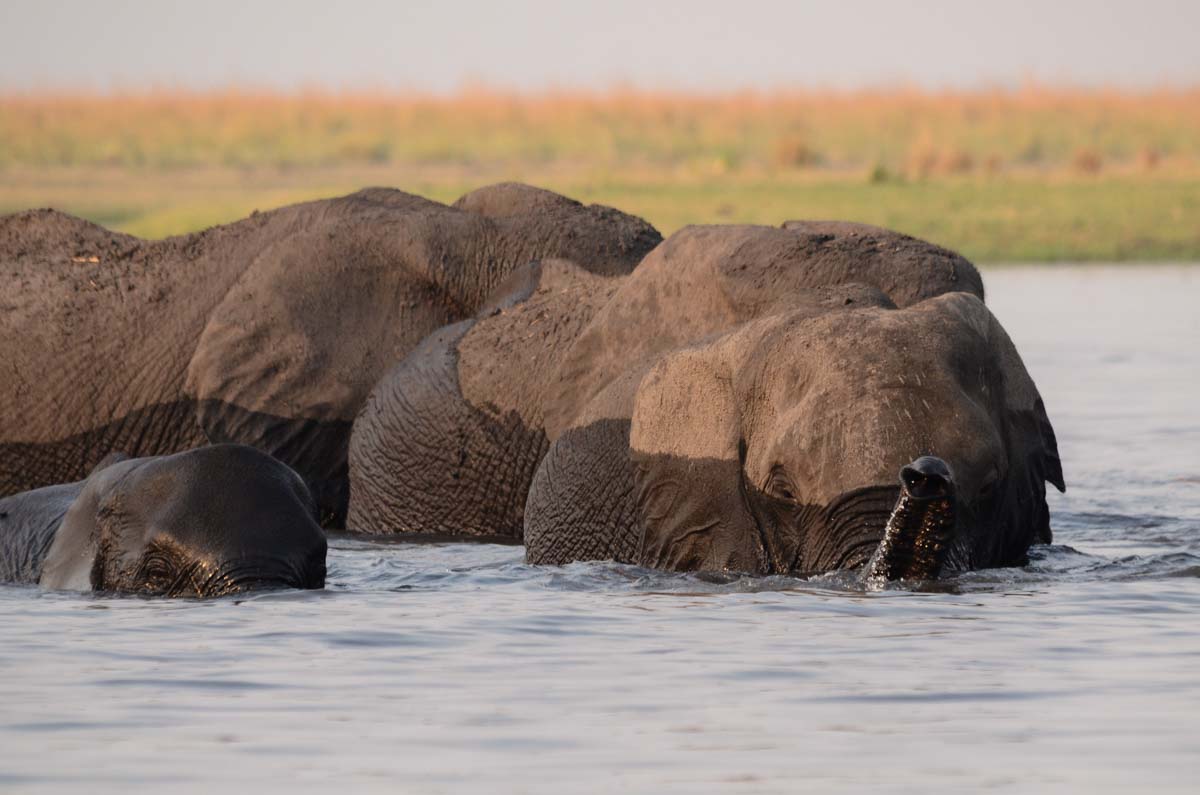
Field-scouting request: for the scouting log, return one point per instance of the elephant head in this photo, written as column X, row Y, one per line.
column 206, row 522
column 779, row 447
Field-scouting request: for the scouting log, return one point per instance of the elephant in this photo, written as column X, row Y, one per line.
column 794, row 400
column 269, row 331
column 213, row 521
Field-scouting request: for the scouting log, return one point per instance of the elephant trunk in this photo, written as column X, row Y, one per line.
column 918, row 533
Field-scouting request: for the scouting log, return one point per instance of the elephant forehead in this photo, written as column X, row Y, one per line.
column 210, row 496
column 836, row 418
column 880, row 344
column 809, row 254
column 837, row 438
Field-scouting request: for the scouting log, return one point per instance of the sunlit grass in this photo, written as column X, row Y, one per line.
column 1037, row 174
column 912, row 132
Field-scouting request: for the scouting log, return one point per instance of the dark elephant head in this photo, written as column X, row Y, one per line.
column 778, row 448
column 206, row 522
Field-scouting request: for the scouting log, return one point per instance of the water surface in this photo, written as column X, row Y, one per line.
column 456, row 668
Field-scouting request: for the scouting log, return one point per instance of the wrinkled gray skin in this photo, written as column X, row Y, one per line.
column 268, row 332
column 744, row 401
column 206, row 522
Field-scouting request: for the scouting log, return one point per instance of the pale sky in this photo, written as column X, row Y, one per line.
column 538, row 44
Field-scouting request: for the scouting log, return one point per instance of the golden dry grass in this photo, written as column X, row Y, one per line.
column 951, row 165
column 905, row 131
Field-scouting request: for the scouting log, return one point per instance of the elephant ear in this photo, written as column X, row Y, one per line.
column 1029, row 436
column 1025, row 407
column 88, row 506
column 580, row 502
column 1050, row 457
column 1035, row 440
column 688, row 452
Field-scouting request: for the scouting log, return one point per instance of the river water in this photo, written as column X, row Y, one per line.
column 456, row 668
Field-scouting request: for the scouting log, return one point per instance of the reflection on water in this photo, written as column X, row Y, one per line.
column 453, row 667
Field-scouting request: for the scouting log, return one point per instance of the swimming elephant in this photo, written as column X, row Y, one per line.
column 207, row 522
column 750, row 399
column 269, row 331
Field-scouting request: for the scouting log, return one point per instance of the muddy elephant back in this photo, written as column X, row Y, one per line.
column 96, row 329
column 542, row 224
column 907, row 268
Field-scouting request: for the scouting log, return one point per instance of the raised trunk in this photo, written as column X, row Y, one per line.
column 921, row 527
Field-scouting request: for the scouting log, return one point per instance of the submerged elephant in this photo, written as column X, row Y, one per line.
column 749, row 399
column 269, row 331
column 206, row 522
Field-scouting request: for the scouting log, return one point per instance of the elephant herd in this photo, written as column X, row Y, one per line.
column 184, row 416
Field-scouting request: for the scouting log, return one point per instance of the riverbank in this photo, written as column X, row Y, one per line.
column 1032, row 174
column 1017, row 218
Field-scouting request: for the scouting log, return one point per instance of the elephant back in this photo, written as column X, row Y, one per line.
column 907, row 268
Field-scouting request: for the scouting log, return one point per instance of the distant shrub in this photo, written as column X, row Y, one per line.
column 379, row 152
column 922, row 161
column 956, row 161
column 793, row 151
column 1087, row 161
column 925, row 160
column 1032, row 153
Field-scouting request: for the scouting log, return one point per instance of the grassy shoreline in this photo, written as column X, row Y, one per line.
column 1037, row 174
column 1015, row 219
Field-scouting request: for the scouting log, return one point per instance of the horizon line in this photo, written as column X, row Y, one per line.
column 613, row 90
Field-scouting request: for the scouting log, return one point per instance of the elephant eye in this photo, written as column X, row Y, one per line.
column 158, row 570
column 779, row 486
